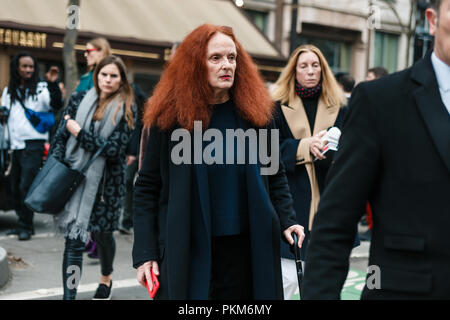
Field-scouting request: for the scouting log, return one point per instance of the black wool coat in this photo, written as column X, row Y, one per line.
column 394, row 152
column 166, row 229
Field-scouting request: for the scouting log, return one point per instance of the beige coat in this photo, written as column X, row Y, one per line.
column 297, row 120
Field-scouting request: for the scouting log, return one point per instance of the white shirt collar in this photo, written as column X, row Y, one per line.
column 442, row 71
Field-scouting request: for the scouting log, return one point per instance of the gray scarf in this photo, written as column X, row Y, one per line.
column 73, row 221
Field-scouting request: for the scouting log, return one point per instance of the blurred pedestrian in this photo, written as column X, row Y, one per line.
column 376, row 73
column 26, row 92
column 347, row 83
column 96, row 50
column 407, row 186
column 100, row 117
column 210, row 231
column 309, row 102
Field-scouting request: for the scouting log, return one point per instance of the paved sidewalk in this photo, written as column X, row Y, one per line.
column 36, row 264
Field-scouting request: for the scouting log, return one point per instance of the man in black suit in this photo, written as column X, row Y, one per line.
column 394, row 152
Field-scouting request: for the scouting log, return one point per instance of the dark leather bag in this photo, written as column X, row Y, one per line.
column 55, row 184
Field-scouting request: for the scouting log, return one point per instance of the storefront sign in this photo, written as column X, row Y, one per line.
column 23, row 38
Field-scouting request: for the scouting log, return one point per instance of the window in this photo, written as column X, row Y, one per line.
column 386, row 51
column 337, row 53
column 259, row 18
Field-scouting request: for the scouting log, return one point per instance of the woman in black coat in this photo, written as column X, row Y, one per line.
column 309, row 102
column 100, row 117
column 211, row 229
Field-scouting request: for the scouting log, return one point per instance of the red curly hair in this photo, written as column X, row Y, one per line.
column 183, row 93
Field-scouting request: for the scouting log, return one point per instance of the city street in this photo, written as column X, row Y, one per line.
column 35, row 266
column 219, row 113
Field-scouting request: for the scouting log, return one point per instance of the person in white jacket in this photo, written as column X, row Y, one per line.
column 24, row 140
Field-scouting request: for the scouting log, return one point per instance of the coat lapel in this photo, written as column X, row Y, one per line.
column 296, row 118
column 260, row 211
column 203, row 192
column 431, row 108
column 179, row 217
column 325, row 116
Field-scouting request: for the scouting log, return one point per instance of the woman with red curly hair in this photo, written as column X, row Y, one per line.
column 210, row 230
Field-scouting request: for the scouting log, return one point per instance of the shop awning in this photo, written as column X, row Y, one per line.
column 144, row 20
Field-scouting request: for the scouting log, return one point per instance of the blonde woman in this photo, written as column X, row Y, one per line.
column 309, row 101
column 96, row 50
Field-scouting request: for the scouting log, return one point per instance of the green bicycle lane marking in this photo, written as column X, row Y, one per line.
column 353, row 286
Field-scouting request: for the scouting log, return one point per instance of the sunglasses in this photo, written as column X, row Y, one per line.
column 90, row 50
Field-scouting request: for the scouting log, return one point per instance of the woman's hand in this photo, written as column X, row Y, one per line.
column 299, row 230
column 143, row 273
column 316, row 145
column 72, row 126
column 130, row 160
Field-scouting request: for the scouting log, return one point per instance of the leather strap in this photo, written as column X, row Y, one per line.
column 95, row 156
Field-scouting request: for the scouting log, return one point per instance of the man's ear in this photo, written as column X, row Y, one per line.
column 432, row 18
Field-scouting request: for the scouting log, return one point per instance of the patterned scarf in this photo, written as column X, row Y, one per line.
column 308, row 93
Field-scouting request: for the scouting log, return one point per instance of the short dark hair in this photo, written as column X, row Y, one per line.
column 379, row 72
column 347, row 81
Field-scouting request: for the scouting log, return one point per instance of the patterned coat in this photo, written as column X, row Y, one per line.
column 108, row 203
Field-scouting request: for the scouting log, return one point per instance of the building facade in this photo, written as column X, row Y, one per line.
column 141, row 32
column 354, row 35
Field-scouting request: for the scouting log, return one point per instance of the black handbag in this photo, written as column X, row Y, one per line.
column 55, row 184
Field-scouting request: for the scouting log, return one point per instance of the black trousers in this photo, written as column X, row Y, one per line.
column 231, row 270
column 73, row 260
column 25, row 165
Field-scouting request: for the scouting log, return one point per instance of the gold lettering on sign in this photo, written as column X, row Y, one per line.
column 43, row 40
column 37, row 40
column 15, row 37
column 23, row 38
column 7, row 36
column 30, row 39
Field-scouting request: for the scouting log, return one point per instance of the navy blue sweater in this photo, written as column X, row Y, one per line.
column 227, row 182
